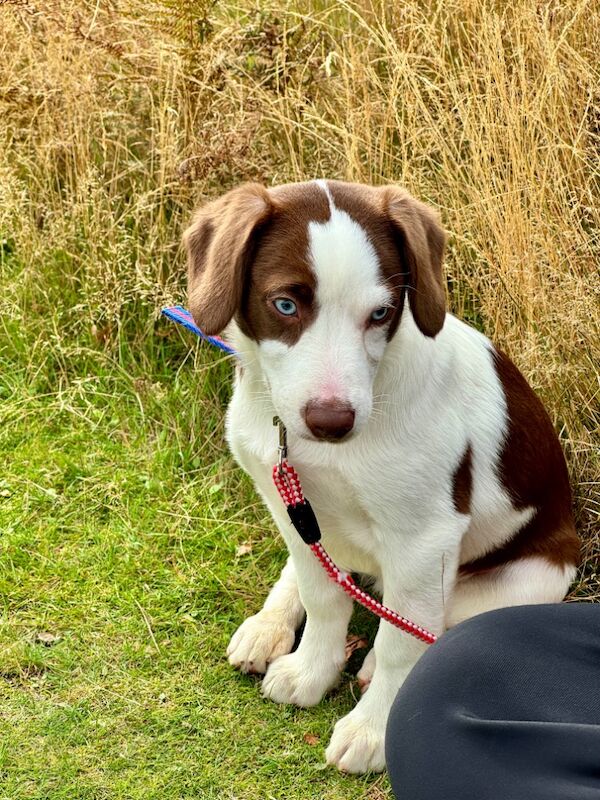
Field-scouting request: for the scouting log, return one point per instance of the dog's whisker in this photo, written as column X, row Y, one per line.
column 398, row 275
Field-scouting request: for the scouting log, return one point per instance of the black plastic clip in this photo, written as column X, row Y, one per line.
column 304, row 520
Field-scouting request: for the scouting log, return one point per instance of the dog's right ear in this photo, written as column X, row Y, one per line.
column 421, row 241
column 219, row 245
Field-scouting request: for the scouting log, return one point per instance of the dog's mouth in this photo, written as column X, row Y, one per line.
column 310, row 437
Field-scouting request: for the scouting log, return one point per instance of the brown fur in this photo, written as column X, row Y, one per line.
column 534, row 473
column 462, row 483
column 409, row 242
column 250, row 246
column 421, row 241
column 281, row 267
column 245, row 249
column 219, row 244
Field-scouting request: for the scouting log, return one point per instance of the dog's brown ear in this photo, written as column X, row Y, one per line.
column 219, row 246
column 421, row 241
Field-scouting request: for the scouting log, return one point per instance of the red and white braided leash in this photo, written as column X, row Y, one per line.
column 288, row 485
column 299, row 509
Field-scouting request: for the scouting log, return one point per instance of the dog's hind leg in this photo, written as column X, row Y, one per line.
column 269, row 634
column 366, row 672
column 524, row 581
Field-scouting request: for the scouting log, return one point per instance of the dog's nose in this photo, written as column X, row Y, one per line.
column 329, row 419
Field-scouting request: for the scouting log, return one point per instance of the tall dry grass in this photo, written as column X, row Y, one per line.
column 115, row 118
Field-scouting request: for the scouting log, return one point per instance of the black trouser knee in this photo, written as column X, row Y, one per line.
column 506, row 706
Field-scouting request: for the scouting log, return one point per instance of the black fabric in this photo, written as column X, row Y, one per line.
column 506, row 706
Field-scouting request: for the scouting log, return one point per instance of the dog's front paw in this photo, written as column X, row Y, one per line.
column 291, row 679
column 357, row 745
column 259, row 641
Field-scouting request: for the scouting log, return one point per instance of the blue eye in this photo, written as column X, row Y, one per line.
column 285, row 306
column 380, row 314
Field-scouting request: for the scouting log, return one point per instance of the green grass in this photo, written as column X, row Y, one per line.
column 121, row 514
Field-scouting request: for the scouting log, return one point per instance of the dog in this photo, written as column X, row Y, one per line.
column 431, row 465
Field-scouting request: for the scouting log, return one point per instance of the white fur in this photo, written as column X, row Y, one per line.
column 383, row 497
column 518, row 583
column 337, row 356
column 367, row 670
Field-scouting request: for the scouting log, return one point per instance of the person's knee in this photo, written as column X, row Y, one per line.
column 500, row 667
column 454, row 677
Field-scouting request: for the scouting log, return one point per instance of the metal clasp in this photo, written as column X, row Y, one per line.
column 282, row 447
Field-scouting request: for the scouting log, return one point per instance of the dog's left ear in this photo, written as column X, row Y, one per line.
column 421, row 241
column 219, row 244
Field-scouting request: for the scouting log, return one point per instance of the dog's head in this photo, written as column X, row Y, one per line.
column 315, row 274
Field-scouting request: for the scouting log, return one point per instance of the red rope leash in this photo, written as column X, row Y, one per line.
column 288, row 485
column 299, row 509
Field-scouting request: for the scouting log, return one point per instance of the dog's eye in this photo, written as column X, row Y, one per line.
column 380, row 314
column 285, row 306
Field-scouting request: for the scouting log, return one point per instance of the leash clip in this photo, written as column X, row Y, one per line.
column 282, row 448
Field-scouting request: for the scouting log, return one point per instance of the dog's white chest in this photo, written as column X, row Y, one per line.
column 336, row 496
column 345, row 523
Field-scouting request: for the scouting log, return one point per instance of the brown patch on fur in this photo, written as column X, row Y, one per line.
column 363, row 204
column 462, row 483
column 409, row 243
column 421, row 241
column 219, row 244
column 245, row 249
column 251, row 245
column 534, row 473
column 281, row 265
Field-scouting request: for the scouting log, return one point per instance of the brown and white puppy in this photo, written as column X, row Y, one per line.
column 430, row 463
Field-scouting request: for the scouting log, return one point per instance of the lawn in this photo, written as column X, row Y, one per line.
column 131, row 546
column 131, row 550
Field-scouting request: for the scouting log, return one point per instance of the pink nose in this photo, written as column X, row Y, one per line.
column 329, row 419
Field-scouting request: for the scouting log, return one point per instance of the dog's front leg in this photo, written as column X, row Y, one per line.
column 357, row 743
column 266, row 636
column 304, row 676
column 416, row 589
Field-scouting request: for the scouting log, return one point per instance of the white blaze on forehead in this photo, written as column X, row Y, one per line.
column 345, row 262
column 336, row 355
